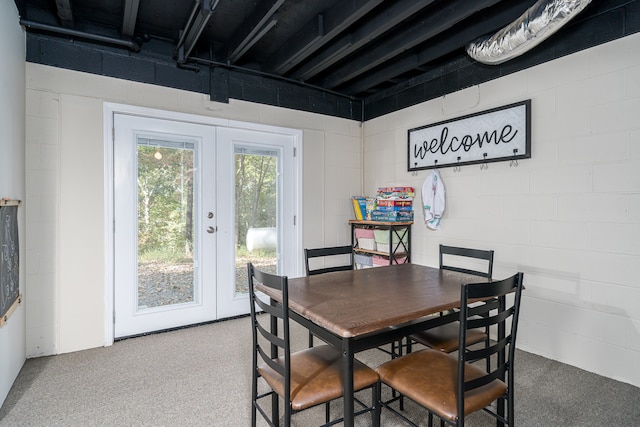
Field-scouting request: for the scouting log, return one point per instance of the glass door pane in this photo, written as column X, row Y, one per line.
column 166, row 273
column 256, row 196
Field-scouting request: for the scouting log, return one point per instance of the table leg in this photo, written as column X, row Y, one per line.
column 347, row 381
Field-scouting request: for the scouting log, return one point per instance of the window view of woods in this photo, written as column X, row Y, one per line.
column 166, row 240
column 256, row 213
column 165, row 225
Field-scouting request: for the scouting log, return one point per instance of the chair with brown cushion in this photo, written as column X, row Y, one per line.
column 339, row 258
column 302, row 379
column 445, row 337
column 452, row 387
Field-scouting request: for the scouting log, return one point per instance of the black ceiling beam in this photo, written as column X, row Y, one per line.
column 410, row 36
column 255, row 38
column 335, row 20
column 129, row 17
column 65, row 13
column 349, row 43
column 251, row 28
column 456, row 39
column 200, row 15
column 387, row 72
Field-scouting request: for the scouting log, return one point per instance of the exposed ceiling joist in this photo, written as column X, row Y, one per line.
column 129, row 17
column 349, row 43
column 336, row 19
column 200, row 15
column 267, row 27
column 65, row 13
column 457, row 39
column 385, row 73
column 253, row 29
column 412, row 35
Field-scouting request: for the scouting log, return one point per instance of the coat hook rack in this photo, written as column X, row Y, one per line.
column 457, row 168
column 484, row 165
column 514, row 161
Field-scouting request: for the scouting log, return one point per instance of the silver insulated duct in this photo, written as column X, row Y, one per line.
column 534, row 26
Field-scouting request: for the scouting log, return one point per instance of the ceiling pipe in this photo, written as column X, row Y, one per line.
column 229, row 66
column 132, row 45
column 538, row 23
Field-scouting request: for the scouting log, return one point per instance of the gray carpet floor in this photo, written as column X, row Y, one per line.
column 201, row 376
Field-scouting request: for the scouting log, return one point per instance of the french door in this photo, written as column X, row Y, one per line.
column 257, row 192
column 193, row 203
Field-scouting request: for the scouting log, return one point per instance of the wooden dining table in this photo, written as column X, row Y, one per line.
column 361, row 309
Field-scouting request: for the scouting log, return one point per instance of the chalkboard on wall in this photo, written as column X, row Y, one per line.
column 9, row 259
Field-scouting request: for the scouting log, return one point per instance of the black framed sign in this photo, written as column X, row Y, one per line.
column 495, row 135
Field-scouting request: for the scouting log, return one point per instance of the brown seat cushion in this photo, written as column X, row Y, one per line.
column 316, row 376
column 446, row 337
column 429, row 378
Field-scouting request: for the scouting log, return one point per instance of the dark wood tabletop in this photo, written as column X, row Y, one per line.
column 354, row 303
column 354, row 310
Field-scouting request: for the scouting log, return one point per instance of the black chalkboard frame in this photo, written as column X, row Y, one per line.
column 10, row 295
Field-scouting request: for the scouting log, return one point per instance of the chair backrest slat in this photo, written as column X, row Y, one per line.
column 272, row 338
column 454, row 251
column 272, row 364
column 342, row 256
column 486, row 379
column 269, row 309
column 486, row 319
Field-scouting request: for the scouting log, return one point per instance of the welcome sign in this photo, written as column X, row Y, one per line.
column 494, row 135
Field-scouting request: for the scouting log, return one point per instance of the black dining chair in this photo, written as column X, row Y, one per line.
column 445, row 337
column 339, row 258
column 302, row 379
column 453, row 387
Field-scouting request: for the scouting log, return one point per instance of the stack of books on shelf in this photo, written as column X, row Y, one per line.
column 390, row 204
column 363, row 206
column 394, row 204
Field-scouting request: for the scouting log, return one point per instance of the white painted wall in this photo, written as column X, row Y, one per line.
column 569, row 217
column 65, row 167
column 12, row 178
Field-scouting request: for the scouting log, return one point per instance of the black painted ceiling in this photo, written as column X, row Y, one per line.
column 357, row 59
column 355, row 47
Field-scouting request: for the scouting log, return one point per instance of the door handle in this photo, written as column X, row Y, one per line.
column 211, row 230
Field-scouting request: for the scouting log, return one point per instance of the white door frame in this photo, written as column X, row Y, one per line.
column 295, row 266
